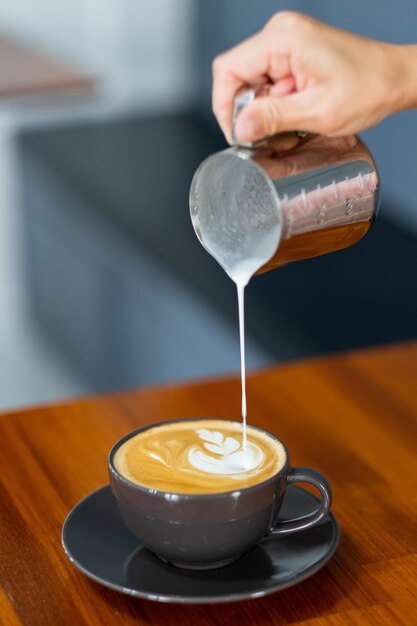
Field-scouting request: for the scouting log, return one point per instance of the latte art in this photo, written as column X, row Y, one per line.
column 201, row 456
column 226, row 455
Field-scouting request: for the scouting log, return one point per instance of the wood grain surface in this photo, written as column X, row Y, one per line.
column 353, row 416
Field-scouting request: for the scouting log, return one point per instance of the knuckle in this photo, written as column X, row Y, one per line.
column 287, row 19
column 217, row 64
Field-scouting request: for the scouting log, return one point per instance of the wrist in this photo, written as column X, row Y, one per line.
column 404, row 87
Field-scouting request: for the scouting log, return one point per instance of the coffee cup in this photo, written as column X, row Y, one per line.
column 209, row 530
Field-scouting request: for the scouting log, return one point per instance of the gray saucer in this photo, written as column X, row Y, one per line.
column 97, row 543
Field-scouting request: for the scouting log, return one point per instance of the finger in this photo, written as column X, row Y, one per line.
column 247, row 63
column 283, row 87
column 268, row 116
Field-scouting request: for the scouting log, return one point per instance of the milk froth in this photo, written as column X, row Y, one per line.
column 202, row 456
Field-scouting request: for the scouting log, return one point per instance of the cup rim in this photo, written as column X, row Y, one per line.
column 179, row 495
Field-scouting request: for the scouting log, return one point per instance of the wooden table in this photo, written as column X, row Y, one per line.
column 352, row 416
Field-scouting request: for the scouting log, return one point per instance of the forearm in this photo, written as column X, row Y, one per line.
column 407, row 79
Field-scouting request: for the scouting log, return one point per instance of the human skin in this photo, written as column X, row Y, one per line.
column 321, row 80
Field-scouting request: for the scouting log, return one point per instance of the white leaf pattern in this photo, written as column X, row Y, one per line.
column 213, row 447
column 214, row 436
column 215, row 442
column 231, row 459
column 231, row 445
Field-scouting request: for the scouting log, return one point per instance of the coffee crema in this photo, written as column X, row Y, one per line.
column 201, row 456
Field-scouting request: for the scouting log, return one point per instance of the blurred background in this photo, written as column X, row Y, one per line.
column 104, row 116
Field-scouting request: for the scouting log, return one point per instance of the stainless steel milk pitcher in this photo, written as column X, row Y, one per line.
column 293, row 196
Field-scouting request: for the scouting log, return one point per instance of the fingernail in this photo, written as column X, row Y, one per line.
column 247, row 128
column 222, row 119
column 228, row 135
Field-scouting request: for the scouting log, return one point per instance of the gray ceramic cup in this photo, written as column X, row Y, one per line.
column 203, row 531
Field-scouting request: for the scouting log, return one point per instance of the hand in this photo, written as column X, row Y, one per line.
column 323, row 80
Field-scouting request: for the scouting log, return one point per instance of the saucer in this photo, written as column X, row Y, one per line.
column 99, row 545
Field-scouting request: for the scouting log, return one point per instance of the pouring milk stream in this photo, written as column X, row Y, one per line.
column 292, row 197
column 241, row 272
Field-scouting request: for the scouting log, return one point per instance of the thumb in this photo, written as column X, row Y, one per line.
column 270, row 115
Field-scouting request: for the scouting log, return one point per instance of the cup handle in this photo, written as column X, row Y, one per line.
column 315, row 478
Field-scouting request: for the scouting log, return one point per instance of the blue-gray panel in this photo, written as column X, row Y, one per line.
column 392, row 142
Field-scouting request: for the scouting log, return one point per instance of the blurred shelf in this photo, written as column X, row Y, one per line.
column 24, row 71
